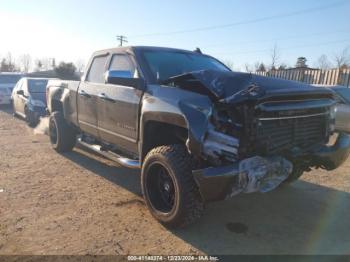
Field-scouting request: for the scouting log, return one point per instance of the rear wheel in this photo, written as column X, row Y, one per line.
column 62, row 135
column 168, row 187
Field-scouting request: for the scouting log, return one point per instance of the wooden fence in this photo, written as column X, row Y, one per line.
column 312, row 76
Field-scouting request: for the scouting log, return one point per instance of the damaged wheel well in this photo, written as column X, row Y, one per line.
column 56, row 106
column 158, row 134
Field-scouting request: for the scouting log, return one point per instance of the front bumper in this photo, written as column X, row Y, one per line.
column 38, row 111
column 216, row 183
column 332, row 157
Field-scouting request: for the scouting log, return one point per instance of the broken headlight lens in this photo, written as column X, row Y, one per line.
column 332, row 115
column 333, row 112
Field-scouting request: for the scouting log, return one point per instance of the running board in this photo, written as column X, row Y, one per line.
column 126, row 162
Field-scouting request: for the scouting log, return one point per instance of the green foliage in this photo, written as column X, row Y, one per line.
column 66, row 71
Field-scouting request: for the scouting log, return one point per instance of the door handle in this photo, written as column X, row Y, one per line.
column 105, row 97
column 84, row 94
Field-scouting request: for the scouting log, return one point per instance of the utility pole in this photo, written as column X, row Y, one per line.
column 122, row 39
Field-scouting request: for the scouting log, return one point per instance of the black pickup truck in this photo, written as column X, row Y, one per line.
column 198, row 131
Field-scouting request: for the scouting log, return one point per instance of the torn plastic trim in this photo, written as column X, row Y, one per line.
column 218, row 145
column 256, row 174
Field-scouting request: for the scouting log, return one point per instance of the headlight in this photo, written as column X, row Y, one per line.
column 333, row 112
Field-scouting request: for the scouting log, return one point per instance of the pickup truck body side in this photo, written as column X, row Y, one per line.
column 199, row 131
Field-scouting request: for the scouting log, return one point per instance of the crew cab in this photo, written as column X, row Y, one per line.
column 198, row 131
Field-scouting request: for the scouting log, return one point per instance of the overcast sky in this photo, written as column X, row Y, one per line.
column 239, row 31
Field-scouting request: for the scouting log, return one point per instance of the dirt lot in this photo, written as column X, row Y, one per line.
column 79, row 203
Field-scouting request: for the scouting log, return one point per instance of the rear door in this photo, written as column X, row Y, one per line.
column 88, row 90
column 118, row 107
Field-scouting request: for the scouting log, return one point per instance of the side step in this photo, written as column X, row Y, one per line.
column 130, row 163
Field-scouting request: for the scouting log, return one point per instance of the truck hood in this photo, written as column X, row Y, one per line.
column 229, row 87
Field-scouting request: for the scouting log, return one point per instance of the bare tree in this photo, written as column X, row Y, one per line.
column 282, row 66
column 228, row 63
column 343, row 58
column 323, row 62
column 8, row 64
column 248, row 68
column 44, row 64
column 275, row 57
column 80, row 65
column 257, row 65
column 25, row 61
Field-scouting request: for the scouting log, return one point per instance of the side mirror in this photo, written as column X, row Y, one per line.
column 123, row 78
column 20, row 92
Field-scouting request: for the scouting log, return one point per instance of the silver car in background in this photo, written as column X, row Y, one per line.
column 7, row 83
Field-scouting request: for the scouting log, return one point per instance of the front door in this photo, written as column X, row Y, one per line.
column 118, row 108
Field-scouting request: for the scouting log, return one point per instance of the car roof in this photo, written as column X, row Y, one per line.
column 38, row 78
column 142, row 48
column 11, row 73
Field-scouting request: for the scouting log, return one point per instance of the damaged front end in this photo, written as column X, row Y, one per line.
column 260, row 130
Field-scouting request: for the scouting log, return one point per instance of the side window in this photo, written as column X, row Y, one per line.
column 97, row 70
column 122, row 63
column 25, row 87
column 18, row 86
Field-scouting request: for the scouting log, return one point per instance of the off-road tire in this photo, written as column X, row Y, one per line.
column 65, row 138
column 188, row 204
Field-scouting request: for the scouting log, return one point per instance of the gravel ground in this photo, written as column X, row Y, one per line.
column 80, row 203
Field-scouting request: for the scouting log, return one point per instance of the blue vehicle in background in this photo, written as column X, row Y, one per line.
column 7, row 83
column 29, row 99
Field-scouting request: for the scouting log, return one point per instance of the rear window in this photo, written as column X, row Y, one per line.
column 37, row 85
column 97, row 70
column 9, row 79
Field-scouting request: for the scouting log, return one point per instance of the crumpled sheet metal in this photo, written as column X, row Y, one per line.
column 259, row 174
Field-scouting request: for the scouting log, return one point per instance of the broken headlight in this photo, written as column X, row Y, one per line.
column 332, row 115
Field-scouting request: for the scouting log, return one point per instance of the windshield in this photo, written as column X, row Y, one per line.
column 345, row 93
column 9, row 79
column 37, row 85
column 166, row 64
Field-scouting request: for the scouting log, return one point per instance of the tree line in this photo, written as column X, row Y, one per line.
column 24, row 63
column 339, row 60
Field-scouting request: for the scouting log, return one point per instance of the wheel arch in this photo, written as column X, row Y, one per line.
column 157, row 133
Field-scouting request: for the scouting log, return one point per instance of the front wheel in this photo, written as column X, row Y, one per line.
column 168, row 186
column 62, row 135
